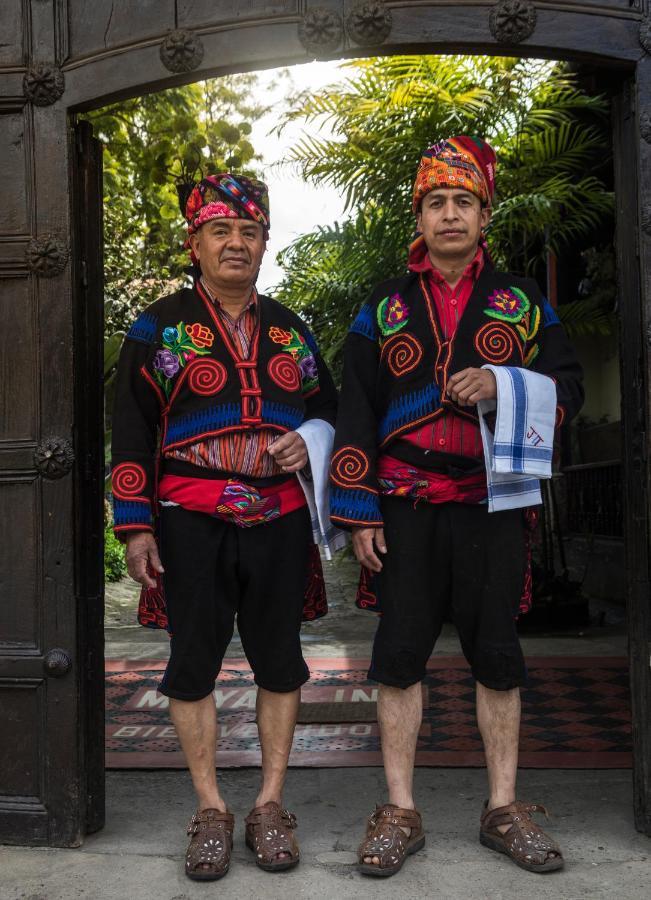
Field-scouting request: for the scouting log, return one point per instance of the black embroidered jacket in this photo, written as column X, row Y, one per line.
column 397, row 364
column 180, row 380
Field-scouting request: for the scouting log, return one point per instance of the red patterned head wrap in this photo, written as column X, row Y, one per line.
column 466, row 163
column 227, row 196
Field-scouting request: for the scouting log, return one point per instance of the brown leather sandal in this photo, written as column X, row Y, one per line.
column 386, row 839
column 525, row 841
column 270, row 832
column 209, row 852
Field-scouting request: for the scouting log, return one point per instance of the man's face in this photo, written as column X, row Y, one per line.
column 451, row 221
column 229, row 250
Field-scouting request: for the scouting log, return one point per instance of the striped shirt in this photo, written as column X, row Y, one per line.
column 242, row 452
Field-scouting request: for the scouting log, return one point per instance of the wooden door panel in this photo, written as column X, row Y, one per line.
column 18, row 362
column 12, row 23
column 16, row 188
column 20, row 624
column 21, row 758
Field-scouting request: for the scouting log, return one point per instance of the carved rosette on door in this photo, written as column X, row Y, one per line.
column 43, row 84
column 321, row 31
column 54, row 457
column 181, row 51
column 369, row 23
column 46, row 256
column 512, row 21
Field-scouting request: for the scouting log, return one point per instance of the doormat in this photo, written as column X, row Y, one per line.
column 337, row 713
column 575, row 714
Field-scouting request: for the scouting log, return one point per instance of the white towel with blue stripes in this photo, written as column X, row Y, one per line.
column 519, row 452
column 319, row 437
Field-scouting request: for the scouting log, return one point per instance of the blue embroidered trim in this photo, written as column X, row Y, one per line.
column 129, row 512
column 365, row 323
column 211, row 419
column 226, row 415
column 144, row 328
column 310, row 340
column 550, row 316
column 281, row 414
column 409, row 407
column 353, row 504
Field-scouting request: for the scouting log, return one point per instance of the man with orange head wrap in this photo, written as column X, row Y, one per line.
column 409, row 480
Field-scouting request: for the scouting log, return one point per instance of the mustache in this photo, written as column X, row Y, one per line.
column 237, row 257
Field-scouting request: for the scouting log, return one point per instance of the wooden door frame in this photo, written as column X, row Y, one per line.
column 50, row 71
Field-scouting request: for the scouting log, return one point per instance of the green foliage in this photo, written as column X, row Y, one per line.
column 549, row 136
column 149, row 142
column 114, row 565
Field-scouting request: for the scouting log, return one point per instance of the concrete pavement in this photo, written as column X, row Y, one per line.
column 139, row 854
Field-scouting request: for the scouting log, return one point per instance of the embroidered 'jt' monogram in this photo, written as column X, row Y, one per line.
column 534, row 437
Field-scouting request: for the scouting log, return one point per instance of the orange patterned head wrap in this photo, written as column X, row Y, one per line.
column 466, row 163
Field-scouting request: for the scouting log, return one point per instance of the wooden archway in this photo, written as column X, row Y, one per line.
column 61, row 56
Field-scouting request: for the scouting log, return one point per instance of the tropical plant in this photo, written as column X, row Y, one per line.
column 114, row 565
column 550, row 136
column 149, row 143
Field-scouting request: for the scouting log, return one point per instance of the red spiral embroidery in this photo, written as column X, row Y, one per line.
column 206, row 377
column 349, row 465
column 402, row 353
column 494, row 342
column 284, row 372
column 128, row 480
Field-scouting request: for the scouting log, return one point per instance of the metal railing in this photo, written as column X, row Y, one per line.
column 594, row 499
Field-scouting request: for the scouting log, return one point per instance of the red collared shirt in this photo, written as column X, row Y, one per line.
column 448, row 433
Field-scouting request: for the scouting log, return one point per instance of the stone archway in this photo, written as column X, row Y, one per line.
column 61, row 56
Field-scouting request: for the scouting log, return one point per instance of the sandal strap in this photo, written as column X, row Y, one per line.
column 389, row 814
column 210, row 818
column 510, row 814
column 271, row 812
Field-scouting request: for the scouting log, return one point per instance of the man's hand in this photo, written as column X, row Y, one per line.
column 289, row 451
column 470, row 386
column 142, row 549
column 365, row 542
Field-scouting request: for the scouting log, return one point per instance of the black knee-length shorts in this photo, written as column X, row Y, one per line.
column 449, row 559
column 215, row 571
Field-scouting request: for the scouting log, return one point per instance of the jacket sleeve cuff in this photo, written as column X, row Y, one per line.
column 355, row 508
column 131, row 515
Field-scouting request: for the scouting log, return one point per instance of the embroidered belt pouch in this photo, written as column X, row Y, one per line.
column 231, row 499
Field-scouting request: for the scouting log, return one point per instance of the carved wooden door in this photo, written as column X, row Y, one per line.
column 51, row 660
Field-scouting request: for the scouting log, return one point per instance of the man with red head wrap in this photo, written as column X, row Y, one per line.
column 219, row 392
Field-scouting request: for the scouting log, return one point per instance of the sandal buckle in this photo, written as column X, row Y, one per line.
column 289, row 817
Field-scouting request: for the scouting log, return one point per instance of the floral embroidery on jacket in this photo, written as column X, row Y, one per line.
column 508, row 305
column 392, row 314
column 527, row 328
column 181, row 344
column 294, row 343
